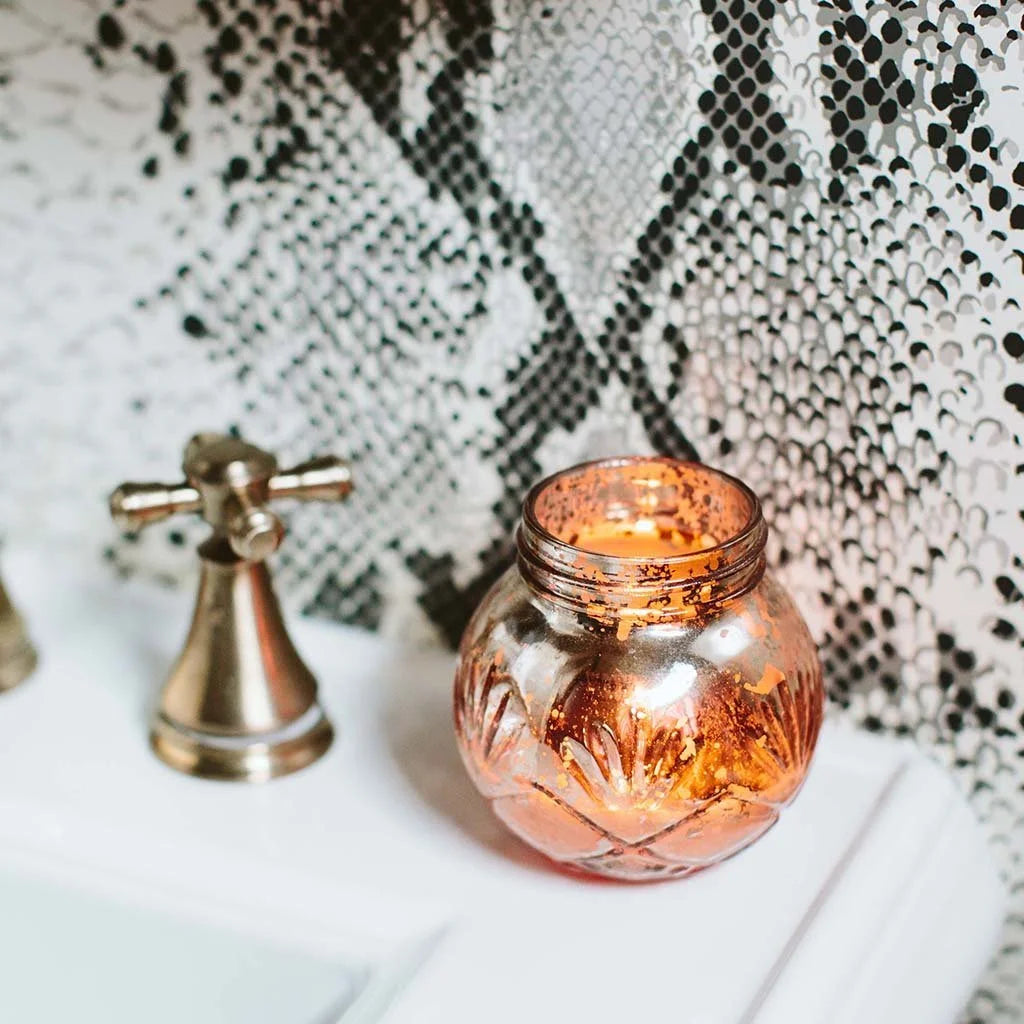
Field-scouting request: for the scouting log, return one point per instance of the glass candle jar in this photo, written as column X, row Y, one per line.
column 637, row 697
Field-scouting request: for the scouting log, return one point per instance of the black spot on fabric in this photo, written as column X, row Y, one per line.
column 110, row 32
column 194, row 326
column 956, row 157
column 229, row 41
column 964, row 79
column 1014, row 394
column 964, row 660
column 238, row 168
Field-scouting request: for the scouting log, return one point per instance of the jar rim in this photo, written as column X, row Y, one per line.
column 557, row 567
column 735, row 539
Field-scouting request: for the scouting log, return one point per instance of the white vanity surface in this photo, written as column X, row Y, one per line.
column 376, row 885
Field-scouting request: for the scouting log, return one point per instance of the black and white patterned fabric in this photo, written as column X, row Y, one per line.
column 467, row 243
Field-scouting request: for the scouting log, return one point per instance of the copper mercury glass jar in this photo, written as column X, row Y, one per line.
column 636, row 696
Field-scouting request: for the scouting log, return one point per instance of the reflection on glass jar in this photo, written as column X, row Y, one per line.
column 637, row 697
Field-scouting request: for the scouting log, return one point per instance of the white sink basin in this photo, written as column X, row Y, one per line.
column 71, row 952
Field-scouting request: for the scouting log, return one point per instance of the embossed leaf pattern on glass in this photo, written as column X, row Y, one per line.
column 491, row 721
column 617, row 788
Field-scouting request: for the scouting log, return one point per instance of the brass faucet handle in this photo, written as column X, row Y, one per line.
column 133, row 506
column 254, row 532
column 324, row 478
column 231, row 483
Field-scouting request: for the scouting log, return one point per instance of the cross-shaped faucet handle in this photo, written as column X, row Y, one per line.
column 229, row 482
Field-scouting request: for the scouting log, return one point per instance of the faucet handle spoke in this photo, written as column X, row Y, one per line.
column 323, row 478
column 133, row 506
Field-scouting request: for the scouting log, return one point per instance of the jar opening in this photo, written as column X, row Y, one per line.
column 642, row 508
column 630, row 530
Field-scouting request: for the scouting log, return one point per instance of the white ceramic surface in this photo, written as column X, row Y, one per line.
column 376, row 885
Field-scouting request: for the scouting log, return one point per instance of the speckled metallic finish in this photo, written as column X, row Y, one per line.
column 643, row 711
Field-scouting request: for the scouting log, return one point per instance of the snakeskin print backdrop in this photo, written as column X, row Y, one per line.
column 467, row 243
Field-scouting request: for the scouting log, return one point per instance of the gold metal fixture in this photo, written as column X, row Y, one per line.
column 17, row 655
column 239, row 703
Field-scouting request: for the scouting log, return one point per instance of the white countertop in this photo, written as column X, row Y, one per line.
column 379, row 875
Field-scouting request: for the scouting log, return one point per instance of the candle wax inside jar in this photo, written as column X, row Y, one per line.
column 642, row 538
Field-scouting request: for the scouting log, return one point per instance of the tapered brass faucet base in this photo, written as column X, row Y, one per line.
column 17, row 655
column 240, row 704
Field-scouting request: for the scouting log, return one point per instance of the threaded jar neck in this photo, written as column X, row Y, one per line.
column 641, row 537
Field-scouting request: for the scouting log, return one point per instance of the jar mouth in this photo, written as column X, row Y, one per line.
column 644, row 526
